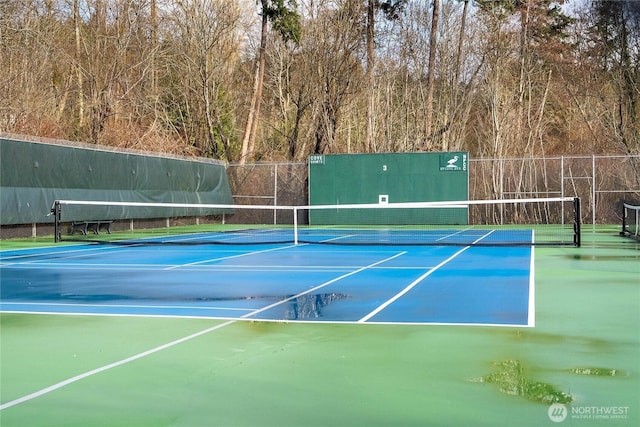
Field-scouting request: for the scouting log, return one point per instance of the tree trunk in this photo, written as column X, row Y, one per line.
column 369, row 74
column 248, row 142
column 154, row 48
column 463, row 27
column 78, row 66
column 428, row 122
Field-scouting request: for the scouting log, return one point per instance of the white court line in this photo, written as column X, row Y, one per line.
column 230, row 257
column 110, row 366
column 531, row 321
column 410, row 286
column 24, row 258
column 87, row 266
column 77, row 378
column 415, row 282
column 313, row 321
column 214, row 268
column 171, row 307
column 324, row 284
column 454, row 234
column 109, row 266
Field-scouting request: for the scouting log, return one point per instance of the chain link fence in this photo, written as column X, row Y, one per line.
column 601, row 182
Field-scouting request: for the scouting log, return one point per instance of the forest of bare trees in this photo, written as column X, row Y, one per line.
column 251, row 80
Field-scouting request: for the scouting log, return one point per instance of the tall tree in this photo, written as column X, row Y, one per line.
column 78, row 66
column 338, row 74
column 461, row 37
column 518, row 68
column 617, row 36
column 202, row 51
column 284, row 18
column 370, row 40
column 433, row 44
column 391, row 10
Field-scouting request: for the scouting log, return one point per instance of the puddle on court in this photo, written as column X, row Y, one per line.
column 311, row 306
column 588, row 257
column 300, row 308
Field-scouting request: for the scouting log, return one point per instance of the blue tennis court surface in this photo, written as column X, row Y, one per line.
column 320, row 283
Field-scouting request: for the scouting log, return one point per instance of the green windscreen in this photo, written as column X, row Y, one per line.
column 340, row 179
column 34, row 175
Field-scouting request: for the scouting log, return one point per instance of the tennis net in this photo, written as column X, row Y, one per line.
column 546, row 221
column 630, row 221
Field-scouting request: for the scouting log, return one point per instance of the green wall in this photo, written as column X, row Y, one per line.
column 402, row 177
column 33, row 175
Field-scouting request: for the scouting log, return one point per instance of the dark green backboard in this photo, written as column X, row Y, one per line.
column 339, row 179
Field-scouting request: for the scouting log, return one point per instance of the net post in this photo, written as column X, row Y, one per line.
column 56, row 211
column 576, row 221
column 624, row 219
column 295, row 225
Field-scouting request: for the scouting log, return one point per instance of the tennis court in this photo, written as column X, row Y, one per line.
column 316, row 334
column 413, row 284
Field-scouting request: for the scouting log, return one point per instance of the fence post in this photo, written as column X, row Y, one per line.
column 593, row 189
column 576, row 222
column 275, row 193
column 561, row 176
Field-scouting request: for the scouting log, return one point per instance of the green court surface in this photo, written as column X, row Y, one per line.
column 583, row 354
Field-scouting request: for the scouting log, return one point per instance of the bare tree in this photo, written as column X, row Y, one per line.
column 617, row 34
column 338, row 73
column 502, row 78
column 77, row 65
column 201, row 59
column 370, row 41
column 433, row 43
column 284, row 18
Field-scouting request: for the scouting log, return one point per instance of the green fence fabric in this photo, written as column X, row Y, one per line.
column 34, row 175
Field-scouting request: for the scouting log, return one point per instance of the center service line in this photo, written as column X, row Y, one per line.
column 323, row 285
column 415, row 282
